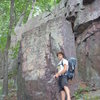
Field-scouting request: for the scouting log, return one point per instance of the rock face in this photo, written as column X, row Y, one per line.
column 38, row 55
column 88, row 53
column 87, row 33
column 42, row 38
column 85, row 18
column 45, row 35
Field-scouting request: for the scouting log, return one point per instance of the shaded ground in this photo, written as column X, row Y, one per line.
column 92, row 95
column 12, row 91
column 86, row 93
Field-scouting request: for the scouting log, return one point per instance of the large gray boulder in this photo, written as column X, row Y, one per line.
column 87, row 31
column 38, row 59
column 45, row 35
column 42, row 38
column 88, row 53
column 84, row 16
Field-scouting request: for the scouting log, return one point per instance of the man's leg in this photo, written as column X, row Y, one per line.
column 67, row 92
column 62, row 95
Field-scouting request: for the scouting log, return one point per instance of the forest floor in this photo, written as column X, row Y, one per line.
column 12, row 95
column 87, row 93
column 92, row 95
column 83, row 93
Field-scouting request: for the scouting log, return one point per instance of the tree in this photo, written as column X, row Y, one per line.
column 31, row 12
column 5, row 69
column 14, row 13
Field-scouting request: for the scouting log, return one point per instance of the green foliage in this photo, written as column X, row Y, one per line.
column 4, row 22
column 12, row 74
column 12, row 90
column 0, row 88
column 79, row 93
column 19, row 7
column 3, row 40
column 94, row 98
column 10, row 84
column 46, row 5
column 87, row 97
column 15, row 50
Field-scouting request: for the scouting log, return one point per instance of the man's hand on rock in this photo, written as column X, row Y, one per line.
column 56, row 75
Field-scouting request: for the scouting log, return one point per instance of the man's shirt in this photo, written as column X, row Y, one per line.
column 61, row 63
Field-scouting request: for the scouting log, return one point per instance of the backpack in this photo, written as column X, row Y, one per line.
column 72, row 62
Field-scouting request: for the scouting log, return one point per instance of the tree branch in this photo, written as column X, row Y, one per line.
column 31, row 12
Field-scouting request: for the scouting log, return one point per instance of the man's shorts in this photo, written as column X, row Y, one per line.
column 62, row 81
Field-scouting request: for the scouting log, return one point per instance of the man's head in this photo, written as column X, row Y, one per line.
column 60, row 55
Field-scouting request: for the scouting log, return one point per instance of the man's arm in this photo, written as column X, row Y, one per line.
column 64, row 70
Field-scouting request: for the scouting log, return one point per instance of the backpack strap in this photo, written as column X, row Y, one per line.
column 62, row 63
column 63, row 66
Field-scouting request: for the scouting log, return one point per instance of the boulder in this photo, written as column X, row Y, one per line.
column 44, row 35
column 38, row 60
column 88, row 53
column 86, row 15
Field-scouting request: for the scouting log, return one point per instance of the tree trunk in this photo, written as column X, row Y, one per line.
column 19, row 23
column 3, row 60
column 5, row 69
column 20, row 20
column 31, row 12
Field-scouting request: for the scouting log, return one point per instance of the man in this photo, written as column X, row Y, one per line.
column 62, row 81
